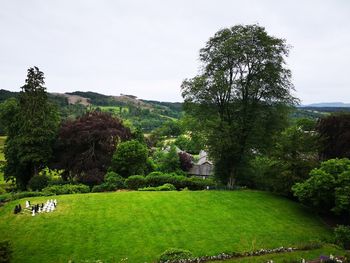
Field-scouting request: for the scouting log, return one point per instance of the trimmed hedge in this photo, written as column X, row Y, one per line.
column 66, row 189
column 135, row 182
column 164, row 187
column 156, row 179
column 14, row 196
column 112, row 182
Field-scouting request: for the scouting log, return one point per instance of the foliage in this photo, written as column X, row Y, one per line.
column 179, row 181
column 14, row 196
column 130, row 158
column 240, row 96
column 85, row 146
column 31, row 123
column 112, row 182
column 190, row 144
column 5, row 251
column 293, row 157
column 66, row 189
column 167, row 161
column 175, row 254
column 328, row 187
column 135, row 182
column 342, row 236
column 51, row 173
column 164, row 187
column 186, row 161
column 335, row 134
column 38, row 182
column 170, row 128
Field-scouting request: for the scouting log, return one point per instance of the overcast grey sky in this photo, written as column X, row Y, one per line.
column 146, row 48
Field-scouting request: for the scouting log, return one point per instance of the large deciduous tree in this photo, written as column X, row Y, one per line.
column 31, row 124
column 85, row 146
column 240, row 95
column 130, row 158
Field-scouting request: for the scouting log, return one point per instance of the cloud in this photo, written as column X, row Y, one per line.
column 147, row 48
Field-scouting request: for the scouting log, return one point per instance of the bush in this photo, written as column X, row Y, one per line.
column 328, row 188
column 99, row 188
column 156, row 179
column 66, row 189
column 186, row 161
column 14, row 196
column 114, row 180
column 5, row 252
column 164, row 187
column 175, row 254
column 38, row 182
column 342, row 236
column 135, row 182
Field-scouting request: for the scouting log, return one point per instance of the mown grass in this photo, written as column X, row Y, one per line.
column 141, row 225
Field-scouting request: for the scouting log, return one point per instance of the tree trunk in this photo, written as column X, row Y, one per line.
column 231, row 180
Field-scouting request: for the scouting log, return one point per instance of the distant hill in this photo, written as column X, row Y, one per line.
column 145, row 114
column 328, row 105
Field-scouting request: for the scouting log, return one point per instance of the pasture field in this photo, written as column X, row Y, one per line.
column 139, row 226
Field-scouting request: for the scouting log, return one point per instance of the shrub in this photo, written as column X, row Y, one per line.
column 66, row 189
column 38, row 182
column 164, row 187
column 5, row 252
column 185, row 161
column 328, row 187
column 99, row 188
column 342, row 236
column 135, row 182
column 14, row 196
column 57, row 181
column 114, row 180
column 175, row 254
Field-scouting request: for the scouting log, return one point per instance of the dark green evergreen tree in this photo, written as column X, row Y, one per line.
column 31, row 126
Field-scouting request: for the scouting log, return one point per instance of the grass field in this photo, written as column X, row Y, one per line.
column 141, row 225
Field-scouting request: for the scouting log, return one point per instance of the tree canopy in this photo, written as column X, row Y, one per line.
column 85, row 146
column 130, row 158
column 31, row 123
column 240, row 95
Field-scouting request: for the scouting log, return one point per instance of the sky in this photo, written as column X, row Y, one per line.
column 147, row 48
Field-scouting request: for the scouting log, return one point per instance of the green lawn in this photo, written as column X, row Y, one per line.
column 141, row 225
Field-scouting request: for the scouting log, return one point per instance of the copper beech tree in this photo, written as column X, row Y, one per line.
column 85, row 146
